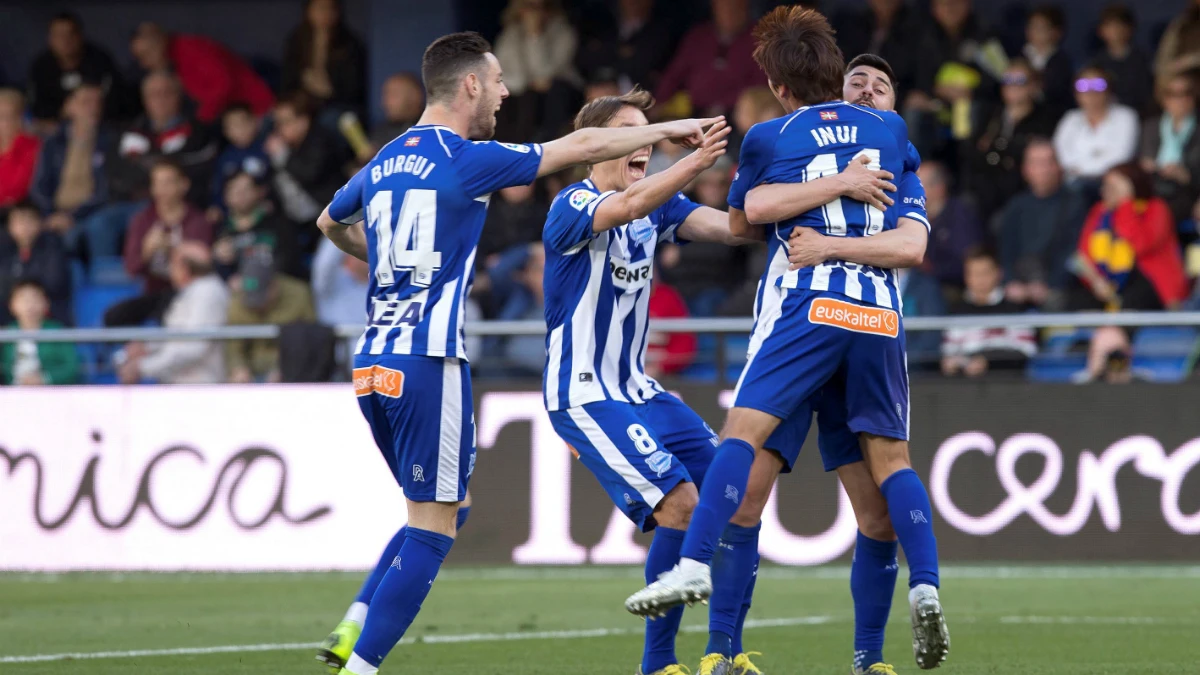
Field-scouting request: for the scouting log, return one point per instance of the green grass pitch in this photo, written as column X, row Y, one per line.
column 1020, row 620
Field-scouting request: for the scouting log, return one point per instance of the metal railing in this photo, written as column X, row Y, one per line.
column 721, row 326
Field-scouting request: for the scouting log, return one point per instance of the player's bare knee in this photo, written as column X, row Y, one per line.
column 675, row 509
column 877, row 526
column 885, row 456
column 749, row 425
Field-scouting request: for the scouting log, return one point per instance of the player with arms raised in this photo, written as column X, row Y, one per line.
column 647, row 448
column 832, row 326
column 424, row 198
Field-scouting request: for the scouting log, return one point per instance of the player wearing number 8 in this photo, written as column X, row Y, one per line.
column 414, row 213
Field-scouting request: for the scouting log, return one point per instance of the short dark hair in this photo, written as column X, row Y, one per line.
column 27, row 282
column 873, row 61
column 796, row 49
column 600, row 111
column 447, row 58
column 1119, row 12
column 238, row 107
column 168, row 163
column 24, row 206
column 1051, row 13
column 1143, row 184
column 68, row 17
column 259, row 181
column 981, row 252
column 299, row 102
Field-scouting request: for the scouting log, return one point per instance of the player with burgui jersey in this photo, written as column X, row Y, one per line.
column 835, row 325
column 647, row 448
column 415, row 213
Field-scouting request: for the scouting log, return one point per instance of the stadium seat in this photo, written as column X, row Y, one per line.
column 91, row 301
column 1165, row 353
column 109, row 271
column 1055, row 367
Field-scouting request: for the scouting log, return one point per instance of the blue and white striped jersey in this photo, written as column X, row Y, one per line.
column 818, row 141
column 597, row 289
column 425, row 197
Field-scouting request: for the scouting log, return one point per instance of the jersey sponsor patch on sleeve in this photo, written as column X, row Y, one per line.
column 581, row 198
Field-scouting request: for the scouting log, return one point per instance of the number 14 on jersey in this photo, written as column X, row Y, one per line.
column 409, row 248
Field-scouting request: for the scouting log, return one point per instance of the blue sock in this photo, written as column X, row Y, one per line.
column 732, row 570
column 912, row 519
column 400, row 594
column 872, row 584
column 660, row 633
column 737, row 647
column 389, row 555
column 720, row 497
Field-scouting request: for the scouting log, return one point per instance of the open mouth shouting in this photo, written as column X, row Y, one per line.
column 637, row 165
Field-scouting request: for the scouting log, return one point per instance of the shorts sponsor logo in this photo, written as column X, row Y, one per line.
column 659, row 462
column 849, row 316
column 378, row 380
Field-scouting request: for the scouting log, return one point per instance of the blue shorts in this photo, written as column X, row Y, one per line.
column 816, row 338
column 423, row 418
column 837, row 443
column 639, row 452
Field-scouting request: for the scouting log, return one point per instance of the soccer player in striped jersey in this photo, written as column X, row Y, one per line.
column 414, row 213
column 648, row 449
column 868, row 82
column 833, row 329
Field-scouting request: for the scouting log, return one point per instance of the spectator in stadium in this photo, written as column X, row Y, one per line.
column 887, row 28
column 29, row 363
column 690, row 269
column 754, row 105
column 714, row 62
column 69, row 62
column 212, row 76
column 1171, row 147
column 1044, row 31
column 70, row 183
column 1038, row 229
column 30, row 252
column 263, row 297
column 324, row 59
column 165, row 130
column 308, row 162
column 1128, row 255
column 402, row 99
column 154, row 233
column 18, row 149
column 536, row 49
column 1097, row 135
column 668, row 353
column 515, row 218
column 630, row 47
column 252, row 227
column 243, row 153
column 955, row 228
column 200, row 300
column 600, row 88
column 974, row 352
column 1179, row 48
column 1127, row 65
column 959, row 64
column 921, row 295
column 993, row 160
column 339, row 284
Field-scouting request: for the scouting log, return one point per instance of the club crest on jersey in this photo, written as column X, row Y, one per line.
column 828, row 115
column 641, row 230
column 581, row 198
column 412, row 141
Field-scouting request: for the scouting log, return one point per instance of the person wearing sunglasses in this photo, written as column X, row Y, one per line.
column 1171, row 147
column 994, row 156
column 1097, row 135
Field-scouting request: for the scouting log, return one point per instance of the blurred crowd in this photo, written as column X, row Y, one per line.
column 183, row 191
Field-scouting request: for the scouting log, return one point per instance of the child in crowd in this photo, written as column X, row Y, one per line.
column 243, row 153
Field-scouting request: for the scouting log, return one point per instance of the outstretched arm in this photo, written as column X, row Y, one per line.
column 599, row 144
column 709, row 224
column 779, row 201
column 891, row 249
column 652, row 192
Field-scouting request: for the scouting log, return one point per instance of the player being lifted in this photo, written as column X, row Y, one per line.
column 832, row 326
column 422, row 202
column 647, row 448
